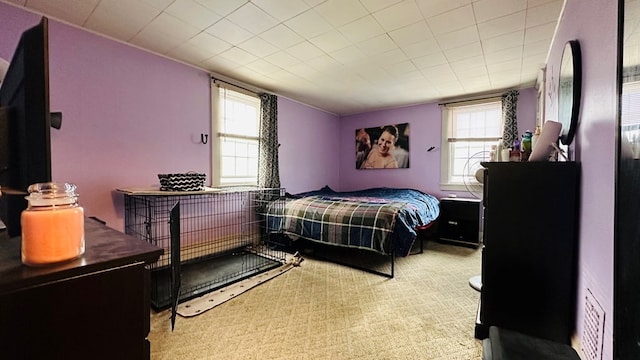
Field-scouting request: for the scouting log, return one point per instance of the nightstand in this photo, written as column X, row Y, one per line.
column 460, row 221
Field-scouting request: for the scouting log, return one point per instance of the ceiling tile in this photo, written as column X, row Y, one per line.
column 282, row 10
column 282, row 59
column 132, row 17
column 429, row 61
column 490, row 9
column 505, row 79
column 210, row 42
column 348, row 55
column 504, row 66
column 375, row 5
column 258, row 47
column 458, row 38
column 313, row 3
column 431, row 8
column 421, row 48
column 503, row 41
column 377, row 45
column 476, row 85
column 73, row 11
column 315, row 51
column 411, row 34
column 539, row 33
column 539, row 47
column 304, row 51
column 303, row 70
column 223, row 8
column 503, row 55
column 408, row 81
column 157, row 4
column 502, row 25
column 330, row 41
column 220, row 64
column 240, row 56
column 450, row 88
column 534, row 3
column 149, row 40
column 262, row 67
column 281, row 36
column 398, row 15
column 230, row 32
column 192, row 13
column 323, row 62
column 252, row 18
column 362, row 29
column 390, row 57
column 403, row 67
column 170, row 28
column 470, row 71
column 190, row 53
column 308, row 24
column 463, row 52
column 543, row 14
column 453, row 20
column 340, row 12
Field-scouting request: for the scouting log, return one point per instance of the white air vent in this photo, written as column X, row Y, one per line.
column 592, row 328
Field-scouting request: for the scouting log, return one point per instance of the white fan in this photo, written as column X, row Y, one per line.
column 473, row 173
column 473, row 177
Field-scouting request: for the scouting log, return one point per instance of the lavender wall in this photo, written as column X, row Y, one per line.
column 595, row 146
column 425, row 124
column 129, row 115
column 12, row 24
column 309, row 147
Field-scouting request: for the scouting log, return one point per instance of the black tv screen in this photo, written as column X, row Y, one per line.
column 25, row 123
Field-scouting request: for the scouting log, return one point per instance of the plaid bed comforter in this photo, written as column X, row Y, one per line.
column 380, row 219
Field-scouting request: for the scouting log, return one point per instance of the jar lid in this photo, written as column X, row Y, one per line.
column 51, row 193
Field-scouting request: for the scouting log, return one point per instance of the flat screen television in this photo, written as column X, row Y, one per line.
column 25, row 123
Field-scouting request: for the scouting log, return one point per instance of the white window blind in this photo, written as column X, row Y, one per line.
column 630, row 116
column 235, row 148
column 468, row 128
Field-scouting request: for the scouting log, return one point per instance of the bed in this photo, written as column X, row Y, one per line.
column 382, row 220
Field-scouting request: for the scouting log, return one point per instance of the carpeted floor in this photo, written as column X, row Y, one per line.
column 322, row 310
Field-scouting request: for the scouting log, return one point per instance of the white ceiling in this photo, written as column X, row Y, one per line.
column 342, row 56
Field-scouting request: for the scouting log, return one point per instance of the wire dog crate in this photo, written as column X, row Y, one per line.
column 220, row 238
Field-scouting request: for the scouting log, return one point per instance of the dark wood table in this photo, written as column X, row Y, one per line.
column 92, row 307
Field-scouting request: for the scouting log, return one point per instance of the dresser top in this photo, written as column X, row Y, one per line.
column 105, row 248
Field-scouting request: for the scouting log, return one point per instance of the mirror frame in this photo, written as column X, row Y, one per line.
column 569, row 101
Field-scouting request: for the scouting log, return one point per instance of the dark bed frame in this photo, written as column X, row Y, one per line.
column 337, row 254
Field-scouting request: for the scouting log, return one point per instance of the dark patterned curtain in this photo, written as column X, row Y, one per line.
column 268, row 172
column 510, row 117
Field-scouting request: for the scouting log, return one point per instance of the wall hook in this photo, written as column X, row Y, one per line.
column 204, row 138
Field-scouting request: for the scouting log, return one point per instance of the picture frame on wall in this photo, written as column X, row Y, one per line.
column 383, row 147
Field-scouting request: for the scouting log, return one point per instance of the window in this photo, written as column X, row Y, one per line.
column 630, row 117
column 468, row 128
column 236, row 119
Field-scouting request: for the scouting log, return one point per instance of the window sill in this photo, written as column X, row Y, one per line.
column 453, row 187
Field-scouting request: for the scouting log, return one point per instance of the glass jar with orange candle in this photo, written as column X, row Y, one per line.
column 52, row 224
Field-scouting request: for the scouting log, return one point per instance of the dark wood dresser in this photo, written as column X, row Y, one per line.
column 93, row 307
column 530, row 245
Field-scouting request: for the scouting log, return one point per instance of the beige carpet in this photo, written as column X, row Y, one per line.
column 323, row 310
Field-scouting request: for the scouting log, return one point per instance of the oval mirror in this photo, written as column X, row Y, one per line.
column 569, row 90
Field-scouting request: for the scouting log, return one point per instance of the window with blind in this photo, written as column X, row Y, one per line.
column 236, row 118
column 467, row 128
